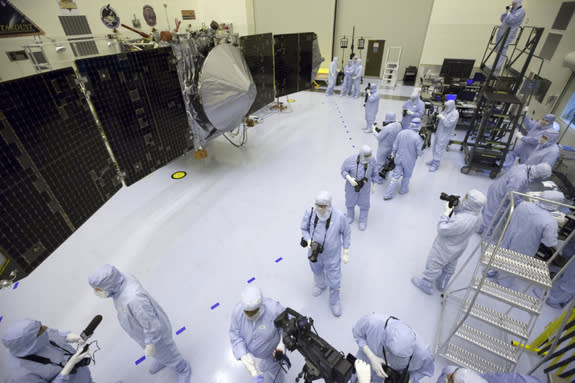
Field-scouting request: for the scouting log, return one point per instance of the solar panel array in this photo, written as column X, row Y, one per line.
column 258, row 51
column 55, row 170
column 138, row 101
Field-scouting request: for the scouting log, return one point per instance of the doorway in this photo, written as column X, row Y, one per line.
column 374, row 57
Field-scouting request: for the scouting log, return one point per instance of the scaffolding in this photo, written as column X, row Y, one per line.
column 500, row 101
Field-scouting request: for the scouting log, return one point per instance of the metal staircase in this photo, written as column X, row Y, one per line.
column 391, row 67
column 499, row 103
column 489, row 316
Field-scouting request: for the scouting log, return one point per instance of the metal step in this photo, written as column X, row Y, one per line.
column 489, row 343
column 497, row 319
column 512, row 297
column 467, row 359
column 519, row 265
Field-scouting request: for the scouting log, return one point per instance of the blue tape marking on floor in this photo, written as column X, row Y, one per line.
column 350, row 138
column 353, row 146
column 15, row 285
column 1, row 319
column 181, row 330
column 251, row 279
column 347, row 131
column 140, row 360
column 279, row 259
column 216, row 305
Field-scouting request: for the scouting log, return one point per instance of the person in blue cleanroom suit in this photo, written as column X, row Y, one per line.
column 254, row 337
column 563, row 288
column 28, row 341
column 348, row 72
column 142, row 318
column 375, row 333
column 328, row 227
column 512, row 18
column 516, row 179
column 332, row 77
column 525, row 145
column 357, row 169
column 413, row 108
column 447, row 122
column 386, row 136
column 453, row 234
column 547, row 150
column 357, row 78
column 531, row 225
column 371, row 107
column 406, row 149
column 453, row 374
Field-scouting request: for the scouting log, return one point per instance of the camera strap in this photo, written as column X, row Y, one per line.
column 42, row 360
column 357, row 168
column 315, row 224
column 404, row 372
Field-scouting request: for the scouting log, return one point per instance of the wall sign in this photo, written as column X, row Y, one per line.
column 189, row 15
column 14, row 23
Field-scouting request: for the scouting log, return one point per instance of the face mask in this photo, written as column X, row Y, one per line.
column 101, row 293
column 255, row 316
column 365, row 159
column 323, row 212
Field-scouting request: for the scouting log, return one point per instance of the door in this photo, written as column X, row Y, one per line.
column 374, row 57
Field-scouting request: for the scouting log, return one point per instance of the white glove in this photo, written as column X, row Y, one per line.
column 150, row 350
column 74, row 338
column 77, row 357
column 441, row 116
column 309, row 242
column 362, row 371
column 373, row 188
column 351, row 180
column 447, row 209
column 409, row 112
column 345, row 256
column 518, row 134
column 376, row 362
column 526, row 109
column 250, row 364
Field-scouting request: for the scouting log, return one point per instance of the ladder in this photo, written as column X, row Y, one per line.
column 489, row 315
column 391, row 67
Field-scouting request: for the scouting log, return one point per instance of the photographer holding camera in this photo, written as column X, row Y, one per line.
column 413, row 108
column 41, row 354
column 393, row 349
column 254, row 335
column 360, row 171
column 456, row 225
column 386, row 136
column 325, row 231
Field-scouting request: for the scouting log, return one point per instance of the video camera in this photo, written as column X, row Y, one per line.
column 389, row 166
column 322, row 361
column 360, row 184
column 451, row 198
column 367, row 92
column 383, row 123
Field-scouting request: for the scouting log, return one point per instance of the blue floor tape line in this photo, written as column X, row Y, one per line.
column 1, row 319
column 140, row 360
column 181, row 330
column 216, row 305
column 251, row 279
column 15, row 285
column 279, row 259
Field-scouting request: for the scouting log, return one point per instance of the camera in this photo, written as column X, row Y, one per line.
column 303, row 242
column 360, row 184
column 389, row 166
column 316, row 249
column 394, row 376
column 322, row 361
column 451, row 198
